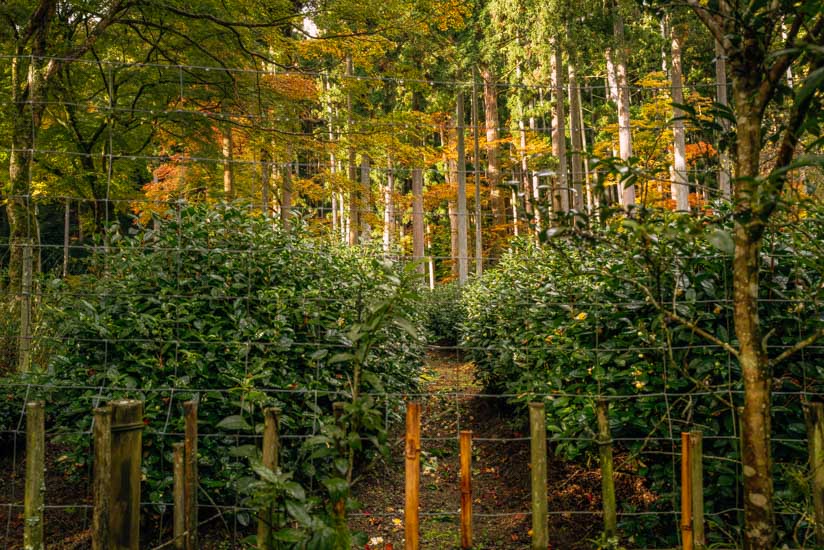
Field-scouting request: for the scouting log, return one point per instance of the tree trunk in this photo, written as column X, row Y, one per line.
column 265, row 180
column 679, row 187
column 228, row 168
column 453, row 236
column 462, row 214
column 493, row 169
column 418, row 244
column 624, row 129
column 365, row 202
column 558, row 128
column 757, row 461
column 724, row 162
column 286, row 197
column 388, row 208
column 577, row 140
column 354, row 188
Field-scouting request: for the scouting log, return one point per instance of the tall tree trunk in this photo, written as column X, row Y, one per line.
column 493, row 167
column 365, row 202
column 228, row 163
column 354, row 188
column 558, row 128
column 418, row 245
column 624, row 128
column 462, row 214
column 680, row 186
column 389, row 208
column 576, row 138
column 452, row 209
column 286, row 197
column 265, row 180
column 757, row 457
column 724, row 162
column 476, row 164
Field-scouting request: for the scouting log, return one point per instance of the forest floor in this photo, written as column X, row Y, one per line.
column 500, row 475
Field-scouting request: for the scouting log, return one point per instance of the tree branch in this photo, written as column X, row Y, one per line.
column 806, row 342
column 712, row 24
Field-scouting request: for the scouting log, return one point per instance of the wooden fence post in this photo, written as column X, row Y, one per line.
column 697, row 487
column 35, row 471
column 686, row 493
column 190, row 473
column 607, row 472
column 271, row 446
column 24, row 343
column 124, row 502
column 179, row 476
column 102, row 477
column 814, row 415
column 537, row 437
column 413, row 475
column 466, row 488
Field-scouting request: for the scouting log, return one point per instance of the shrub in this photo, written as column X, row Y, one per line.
column 443, row 313
column 578, row 317
column 217, row 304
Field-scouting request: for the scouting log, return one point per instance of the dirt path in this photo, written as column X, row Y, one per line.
column 500, row 475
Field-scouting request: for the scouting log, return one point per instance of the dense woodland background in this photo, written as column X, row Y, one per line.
column 609, row 198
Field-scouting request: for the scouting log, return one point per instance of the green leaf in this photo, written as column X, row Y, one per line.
column 341, row 358
column 234, row 423
column 406, row 326
column 721, row 240
column 298, row 512
column 336, row 486
column 289, row 535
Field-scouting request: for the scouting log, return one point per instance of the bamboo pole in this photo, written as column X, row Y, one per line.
column 465, row 444
column 686, row 493
column 124, row 503
column 102, row 477
column 35, row 471
column 697, row 488
column 814, row 414
column 190, row 473
column 607, row 472
column 271, row 445
column 537, row 433
column 413, row 475
column 179, row 496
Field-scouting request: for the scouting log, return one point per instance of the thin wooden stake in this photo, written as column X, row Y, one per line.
column 607, row 472
column 814, row 413
column 466, row 488
column 179, row 497
column 686, row 493
column 124, row 501
column 190, row 470
column 35, row 472
column 413, row 475
column 339, row 506
column 537, row 437
column 102, row 477
column 271, row 445
column 697, row 488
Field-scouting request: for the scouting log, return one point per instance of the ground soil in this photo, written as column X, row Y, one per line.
column 500, row 476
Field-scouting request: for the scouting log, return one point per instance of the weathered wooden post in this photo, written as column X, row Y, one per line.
column 686, row 493
column 190, row 473
column 24, row 342
column 35, row 472
column 102, row 481
column 607, row 473
column 124, row 502
column 814, row 415
column 697, row 488
column 413, row 475
column 465, row 444
column 537, row 437
column 179, row 496
column 271, row 446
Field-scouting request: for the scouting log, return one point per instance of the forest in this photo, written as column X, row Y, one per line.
column 411, row 273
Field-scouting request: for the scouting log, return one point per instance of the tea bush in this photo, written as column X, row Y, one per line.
column 578, row 316
column 217, row 304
